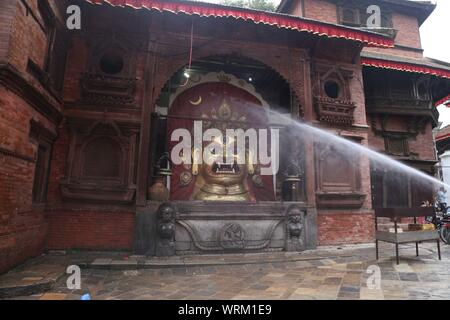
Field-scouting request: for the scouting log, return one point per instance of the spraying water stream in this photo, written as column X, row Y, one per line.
column 348, row 147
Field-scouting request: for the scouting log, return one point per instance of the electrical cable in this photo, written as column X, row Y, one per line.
column 190, row 56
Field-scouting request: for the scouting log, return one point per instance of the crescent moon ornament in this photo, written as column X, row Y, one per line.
column 196, row 103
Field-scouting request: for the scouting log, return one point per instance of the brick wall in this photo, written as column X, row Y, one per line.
column 424, row 144
column 345, row 228
column 73, row 227
column 28, row 40
column 408, row 30
column 7, row 9
column 58, row 167
column 321, row 10
column 90, row 229
column 22, row 225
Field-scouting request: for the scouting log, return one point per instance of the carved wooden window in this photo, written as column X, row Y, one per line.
column 385, row 185
column 397, row 145
column 386, row 21
column 355, row 15
column 338, row 171
column 332, row 82
column 332, row 94
column 400, row 86
column 111, row 73
column 350, row 16
column 395, row 189
column 338, row 177
column 102, row 159
column 332, row 89
column 112, row 62
column 111, row 57
column 101, row 162
column 422, row 89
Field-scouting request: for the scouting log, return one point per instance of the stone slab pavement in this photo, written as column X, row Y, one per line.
column 331, row 273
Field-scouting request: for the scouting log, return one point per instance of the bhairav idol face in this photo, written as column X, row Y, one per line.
column 223, row 180
column 228, row 152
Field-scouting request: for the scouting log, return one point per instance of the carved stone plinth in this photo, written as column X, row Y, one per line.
column 195, row 227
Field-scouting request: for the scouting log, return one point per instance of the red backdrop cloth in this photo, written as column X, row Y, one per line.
column 212, row 96
column 269, row 18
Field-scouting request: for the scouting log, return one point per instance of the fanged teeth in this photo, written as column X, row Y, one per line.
column 225, row 168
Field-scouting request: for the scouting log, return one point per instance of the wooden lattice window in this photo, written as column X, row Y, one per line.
column 356, row 16
column 350, row 16
column 397, row 145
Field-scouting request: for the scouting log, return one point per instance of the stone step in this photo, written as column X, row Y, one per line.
column 26, row 283
column 142, row 262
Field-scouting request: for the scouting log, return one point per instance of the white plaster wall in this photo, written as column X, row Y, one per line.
column 445, row 163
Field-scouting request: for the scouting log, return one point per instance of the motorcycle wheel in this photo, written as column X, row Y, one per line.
column 444, row 234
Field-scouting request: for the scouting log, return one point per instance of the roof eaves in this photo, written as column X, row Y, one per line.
column 428, row 62
column 205, row 9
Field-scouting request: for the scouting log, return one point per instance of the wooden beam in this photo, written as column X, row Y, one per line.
column 147, row 109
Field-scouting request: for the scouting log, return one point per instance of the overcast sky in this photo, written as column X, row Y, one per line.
column 435, row 40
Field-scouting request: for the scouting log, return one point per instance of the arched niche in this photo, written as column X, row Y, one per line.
column 270, row 85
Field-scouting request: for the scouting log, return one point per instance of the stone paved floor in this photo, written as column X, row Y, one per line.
column 341, row 276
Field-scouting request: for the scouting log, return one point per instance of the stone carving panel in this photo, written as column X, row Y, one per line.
column 232, row 236
column 219, row 235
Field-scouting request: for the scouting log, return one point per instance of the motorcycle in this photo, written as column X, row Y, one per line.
column 442, row 224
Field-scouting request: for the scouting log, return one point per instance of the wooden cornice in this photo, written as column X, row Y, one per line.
column 12, row 79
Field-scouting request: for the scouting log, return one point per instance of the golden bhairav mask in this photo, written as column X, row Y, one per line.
column 216, row 180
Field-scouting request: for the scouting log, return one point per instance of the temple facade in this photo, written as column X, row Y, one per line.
column 88, row 116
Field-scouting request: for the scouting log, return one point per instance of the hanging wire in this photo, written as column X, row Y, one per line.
column 190, row 56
